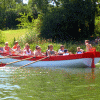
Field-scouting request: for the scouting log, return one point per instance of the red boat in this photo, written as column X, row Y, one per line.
column 87, row 59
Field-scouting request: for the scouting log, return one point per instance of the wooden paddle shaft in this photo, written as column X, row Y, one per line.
column 5, row 57
column 9, row 57
column 33, row 62
column 19, row 60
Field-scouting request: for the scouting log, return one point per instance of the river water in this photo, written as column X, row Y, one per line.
column 49, row 84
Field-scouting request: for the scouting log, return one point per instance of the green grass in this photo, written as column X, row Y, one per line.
column 25, row 36
column 10, row 34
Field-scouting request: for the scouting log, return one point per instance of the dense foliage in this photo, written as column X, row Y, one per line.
column 10, row 11
column 72, row 21
column 67, row 20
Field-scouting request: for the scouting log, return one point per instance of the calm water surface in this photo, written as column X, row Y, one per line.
column 49, row 84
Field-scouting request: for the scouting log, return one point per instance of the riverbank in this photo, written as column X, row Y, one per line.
column 24, row 35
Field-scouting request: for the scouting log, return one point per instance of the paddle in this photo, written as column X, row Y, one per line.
column 33, row 62
column 19, row 60
column 9, row 56
column 4, row 57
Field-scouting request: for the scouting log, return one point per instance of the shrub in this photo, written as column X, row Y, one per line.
column 1, row 37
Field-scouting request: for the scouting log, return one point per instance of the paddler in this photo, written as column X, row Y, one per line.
column 79, row 51
column 27, row 50
column 88, row 46
column 6, row 48
column 61, row 50
column 51, row 51
column 15, row 46
column 38, row 52
column 66, row 52
column 35, row 49
column 18, row 50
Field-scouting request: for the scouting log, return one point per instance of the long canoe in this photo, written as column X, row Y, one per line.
column 88, row 59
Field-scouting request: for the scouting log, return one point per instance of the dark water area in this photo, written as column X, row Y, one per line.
column 49, row 84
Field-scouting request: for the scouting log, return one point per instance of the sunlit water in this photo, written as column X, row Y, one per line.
column 49, row 84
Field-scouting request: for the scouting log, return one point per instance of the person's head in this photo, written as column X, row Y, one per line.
column 86, row 41
column 78, row 48
column 16, row 43
column 27, row 46
column 18, row 46
column 65, row 51
column 51, row 47
column 62, row 47
column 38, row 48
column 6, row 44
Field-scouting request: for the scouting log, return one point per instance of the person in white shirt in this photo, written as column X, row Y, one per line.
column 66, row 52
column 61, row 50
column 27, row 50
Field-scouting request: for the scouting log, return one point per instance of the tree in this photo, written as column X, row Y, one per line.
column 19, row 1
column 74, row 20
column 41, row 5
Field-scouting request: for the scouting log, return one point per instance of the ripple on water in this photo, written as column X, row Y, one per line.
column 10, row 97
column 8, row 86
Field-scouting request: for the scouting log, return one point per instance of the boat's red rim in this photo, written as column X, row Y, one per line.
column 58, row 57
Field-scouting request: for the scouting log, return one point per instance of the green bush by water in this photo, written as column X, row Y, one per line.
column 33, row 39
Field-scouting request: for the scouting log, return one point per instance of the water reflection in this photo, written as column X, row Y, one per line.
column 93, row 73
column 87, row 73
column 6, row 88
column 38, row 81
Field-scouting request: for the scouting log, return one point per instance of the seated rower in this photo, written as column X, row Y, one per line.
column 88, row 46
column 6, row 48
column 47, row 50
column 18, row 50
column 38, row 52
column 79, row 51
column 66, row 52
column 51, row 51
column 15, row 46
column 25, row 46
column 61, row 50
column 35, row 49
column 27, row 50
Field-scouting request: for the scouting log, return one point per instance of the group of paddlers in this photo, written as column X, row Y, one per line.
column 16, row 49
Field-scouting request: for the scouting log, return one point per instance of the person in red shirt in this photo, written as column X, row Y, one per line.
column 6, row 48
column 15, row 46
